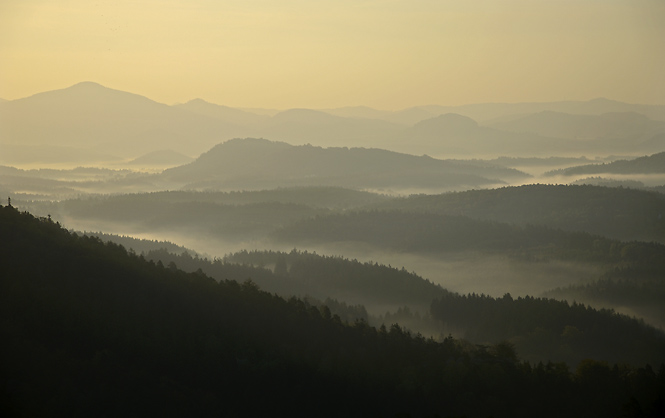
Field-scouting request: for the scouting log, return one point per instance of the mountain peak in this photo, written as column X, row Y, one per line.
column 87, row 85
column 197, row 101
column 449, row 120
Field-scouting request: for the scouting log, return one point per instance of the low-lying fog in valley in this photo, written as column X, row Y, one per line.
column 332, row 209
column 441, row 224
column 482, row 188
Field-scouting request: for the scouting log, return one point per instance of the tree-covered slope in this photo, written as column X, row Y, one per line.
column 90, row 330
column 429, row 233
column 625, row 214
column 302, row 274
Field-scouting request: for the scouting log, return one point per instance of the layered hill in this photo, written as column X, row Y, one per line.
column 258, row 163
column 585, row 127
column 161, row 158
column 88, row 115
column 97, row 121
column 650, row 164
column 624, row 214
column 88, row 326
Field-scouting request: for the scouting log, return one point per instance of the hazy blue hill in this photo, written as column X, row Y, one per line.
column 322, row 128
column 412, row 115
column 454, row 124
column 452, row 133
column 563, row 125
column 258, row 163
column 491, row 113
column 487, row 112
column 613, row 212
column 16, row 154
column 224, row 113
column 650, row 164
column 93, row 116
column 162, row 158
column 358, row 112
column 306, row 116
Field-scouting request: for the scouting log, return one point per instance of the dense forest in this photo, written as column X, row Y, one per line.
column 620, row 213
column 90, row 329
column 537, row 327
column 435, row 233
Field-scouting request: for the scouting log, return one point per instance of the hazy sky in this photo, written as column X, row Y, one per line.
column 387, row 54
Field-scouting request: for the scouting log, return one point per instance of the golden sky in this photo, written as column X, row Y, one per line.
column 387, row 54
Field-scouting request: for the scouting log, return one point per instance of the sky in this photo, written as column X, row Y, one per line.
column 386, row 54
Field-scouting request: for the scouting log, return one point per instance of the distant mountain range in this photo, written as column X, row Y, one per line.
column 565, row 125
column 100, row 120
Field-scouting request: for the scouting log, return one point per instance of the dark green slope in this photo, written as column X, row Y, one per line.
column 638, row 268
column 90, row 330
column 536, row 326
column 625, row 214
column 308, row 274
column 429, row 233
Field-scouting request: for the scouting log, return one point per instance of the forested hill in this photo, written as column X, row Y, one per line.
column 527, row 322
column 650, row 164
column 91, row 330
column 428, row 233
column 252, row 163
column 309, row 274
column 625, row 214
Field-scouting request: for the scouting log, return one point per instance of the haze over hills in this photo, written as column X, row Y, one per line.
column 457, row 134
column 223, row 113
column 650, row 164
column 161, row 158
column 259, row 163
column 89, row 115
column 99, row 121
column 571, row 126
column 489, row 113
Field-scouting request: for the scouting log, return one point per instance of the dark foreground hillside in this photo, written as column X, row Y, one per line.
column 89, row 329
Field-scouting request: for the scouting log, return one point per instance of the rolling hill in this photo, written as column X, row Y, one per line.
column 584, row 127
column 258, row 163
column 624, row 214
column 649, row 164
